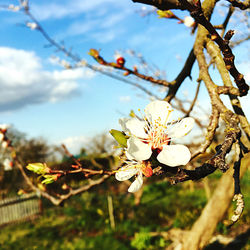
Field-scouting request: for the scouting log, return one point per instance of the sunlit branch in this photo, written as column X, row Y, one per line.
column 197, row 13
column 214, row 52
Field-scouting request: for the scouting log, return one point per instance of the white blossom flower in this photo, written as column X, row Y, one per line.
column 154, row 134
column 32, row 25
column 188, row 21
column 137, row 169
column 13, row 7
column 4, row 126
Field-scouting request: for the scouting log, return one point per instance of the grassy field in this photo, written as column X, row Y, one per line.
column 83, row 222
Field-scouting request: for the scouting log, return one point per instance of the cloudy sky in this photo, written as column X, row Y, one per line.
column 41, row 98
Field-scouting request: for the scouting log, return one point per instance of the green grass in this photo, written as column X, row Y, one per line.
column 83, row 221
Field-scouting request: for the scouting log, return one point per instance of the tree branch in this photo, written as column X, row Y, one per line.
column 128, row 71
column 228, row 57
column 60, row 198
column 241, row 5
column 185, row 72
column 214, row 52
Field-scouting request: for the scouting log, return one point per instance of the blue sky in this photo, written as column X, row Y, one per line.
column 41, row 98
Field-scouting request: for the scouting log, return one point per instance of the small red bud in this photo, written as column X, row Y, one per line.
column 120, row 61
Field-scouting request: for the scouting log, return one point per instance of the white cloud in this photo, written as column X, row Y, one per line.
column 23, row 81
column 102, row 27
column 99, row 18
column 111, row 20
column 79, row 28
column 102, row 23
column 71, row 8
column 75, row 143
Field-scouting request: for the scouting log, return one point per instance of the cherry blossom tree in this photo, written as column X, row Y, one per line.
column 147, row 140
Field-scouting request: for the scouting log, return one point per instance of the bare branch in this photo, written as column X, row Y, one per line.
column 242, row 5
column 60, row 198
column 185, row 72
column 214, row 52
column 128, row 71
column 197, row 13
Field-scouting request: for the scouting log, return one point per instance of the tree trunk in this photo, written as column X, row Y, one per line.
column 205, row 225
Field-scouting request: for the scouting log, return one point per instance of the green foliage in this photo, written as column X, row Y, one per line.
column 141, row 241
column 42, row 169
column 48, row 179
column 83, row 221
column 38, row 168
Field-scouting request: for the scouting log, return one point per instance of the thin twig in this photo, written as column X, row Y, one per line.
column 194, row 100
column 185, row 72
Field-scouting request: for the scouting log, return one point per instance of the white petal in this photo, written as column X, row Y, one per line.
column 158, row 111
column 136, row 185
column 174, row 155
column 134, row 126
column 122, row 122
column 188, row 21
column 182, row 128
column 125, row 173
column 4, row 126
column 138, row 150
column 129, row 156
